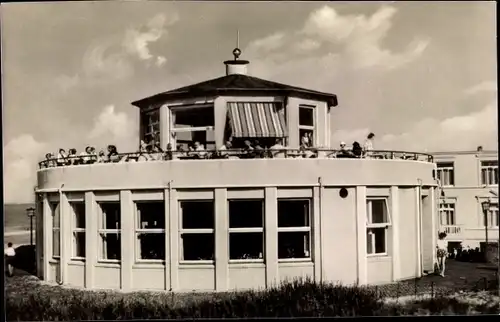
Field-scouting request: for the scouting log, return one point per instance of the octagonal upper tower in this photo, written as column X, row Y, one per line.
column 237, row 107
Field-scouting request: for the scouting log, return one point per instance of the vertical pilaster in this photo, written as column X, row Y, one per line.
column 396, row 252
column 434, row 221
column 317, row 243
column 361, row 234
column 220, row 112
column 221, row 240
column 174, row 240
column 127, row 238
column 271, row 231
column 66, row 234
column 47, row 236
column 418, row 230
column 292, row 112
column 166, row 203
column 91, row 238
column 39, row 234
column 164, row 126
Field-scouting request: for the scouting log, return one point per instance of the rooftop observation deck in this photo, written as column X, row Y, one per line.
column 237, row 169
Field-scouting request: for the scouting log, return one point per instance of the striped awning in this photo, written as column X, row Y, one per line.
column 249, row 120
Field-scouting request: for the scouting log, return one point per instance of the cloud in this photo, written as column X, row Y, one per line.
column 65, row 82
column 20, row 164
column 464, row 132
column 112, row 59
column 104, row 62
column 137, row 40
column 355, row 40
column 116, row 128
column 160, row 61
column 487, row 86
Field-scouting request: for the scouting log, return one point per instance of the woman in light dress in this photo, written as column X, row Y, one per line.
column 442, row 251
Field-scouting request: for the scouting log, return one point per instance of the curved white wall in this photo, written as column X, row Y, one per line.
column 338, row 227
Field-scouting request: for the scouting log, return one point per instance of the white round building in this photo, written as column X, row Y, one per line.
column 200, row 221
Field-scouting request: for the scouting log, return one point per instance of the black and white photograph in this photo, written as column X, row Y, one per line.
column 249, row 159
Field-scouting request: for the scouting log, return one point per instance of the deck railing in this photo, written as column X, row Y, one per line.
column 233, row 154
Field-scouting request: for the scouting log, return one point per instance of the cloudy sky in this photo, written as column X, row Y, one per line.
column 422, row 76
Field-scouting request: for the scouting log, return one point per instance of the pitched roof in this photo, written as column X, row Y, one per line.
column 236, row 84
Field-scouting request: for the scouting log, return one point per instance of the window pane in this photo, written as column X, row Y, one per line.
column 452, row 178
column 56, row 215
column 151, row 215
column 79, row 244
column 380, row 246
column 111, row 243
column 369, row 241
column 56, row 242
column 293, row 213
column 151, row 245
column 111, row 215
column 197, row 214
column 198, row 246
column 246, row 213
column 194, row 117
column 294, row 244
column 306, row 116
column 79, row 214
column 379, row 211
column 246, row 245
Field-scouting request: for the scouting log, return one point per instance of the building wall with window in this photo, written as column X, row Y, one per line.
column 467, row 179
column 183, row 121
column 229, row 225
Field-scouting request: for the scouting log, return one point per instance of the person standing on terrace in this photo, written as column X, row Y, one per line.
column 61, row 157
column 368, row 146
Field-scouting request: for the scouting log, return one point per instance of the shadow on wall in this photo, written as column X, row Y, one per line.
column 25, row 258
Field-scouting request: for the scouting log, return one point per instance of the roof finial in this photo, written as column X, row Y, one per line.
column 237, row 50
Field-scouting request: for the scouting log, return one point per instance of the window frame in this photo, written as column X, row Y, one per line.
column 138, row 231
column 77, row 230
column 55, row 211
column 174, row 130
column 148, row 129
column 489, row 169
column 307, row 229
column 441, row 168
column 243, row 230
column 105, row 231
column 183, row 231
column 387, row 225
column 308, row 127
column 444, row 207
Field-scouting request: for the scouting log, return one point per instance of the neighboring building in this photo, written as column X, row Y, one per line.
column 468, row 179
column 226, row 224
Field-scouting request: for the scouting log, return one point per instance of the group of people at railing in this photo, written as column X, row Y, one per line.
column 248, row 149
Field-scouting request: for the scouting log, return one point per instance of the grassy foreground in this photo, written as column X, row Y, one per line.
column 28, row 299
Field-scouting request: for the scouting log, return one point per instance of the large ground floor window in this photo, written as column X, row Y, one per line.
column 246, row 229
column 197, row 224
column 150, row 230
column 377, row 226
column 78, row 227
column 109, row 230
column 294, row 228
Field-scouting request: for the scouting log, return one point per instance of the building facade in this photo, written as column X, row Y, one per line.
column 467, row 179
column 229, row 224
